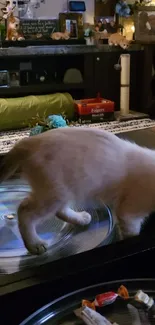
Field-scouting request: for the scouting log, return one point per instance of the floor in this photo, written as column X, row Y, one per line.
column 145, row 138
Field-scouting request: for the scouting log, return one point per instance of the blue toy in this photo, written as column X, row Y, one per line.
column 56, row 121
column 52, row 122
column 37, row 130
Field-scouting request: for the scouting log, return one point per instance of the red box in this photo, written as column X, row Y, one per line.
column 94, row 110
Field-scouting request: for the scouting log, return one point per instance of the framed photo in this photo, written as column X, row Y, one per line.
column 73, row 23
column 14, row 79
column 71, row 27
column 144, row 18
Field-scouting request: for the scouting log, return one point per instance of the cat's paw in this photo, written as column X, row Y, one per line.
column 85, row 218
column 37, row 248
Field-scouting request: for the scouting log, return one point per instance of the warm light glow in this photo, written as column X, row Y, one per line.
column 133, row 28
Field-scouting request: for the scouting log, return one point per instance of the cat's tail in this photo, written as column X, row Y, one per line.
column 12, row 161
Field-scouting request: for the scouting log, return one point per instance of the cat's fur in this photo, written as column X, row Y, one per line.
column 73, row 164
column 118, row 40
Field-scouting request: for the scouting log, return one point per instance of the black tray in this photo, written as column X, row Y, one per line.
column 61, row 310
column 37, row 287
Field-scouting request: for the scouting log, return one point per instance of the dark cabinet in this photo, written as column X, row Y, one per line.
column 107, row 78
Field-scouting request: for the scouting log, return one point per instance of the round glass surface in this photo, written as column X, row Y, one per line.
column 63, row 239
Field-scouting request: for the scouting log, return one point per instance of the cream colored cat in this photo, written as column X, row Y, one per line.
column 77, row 164
column 118, row 40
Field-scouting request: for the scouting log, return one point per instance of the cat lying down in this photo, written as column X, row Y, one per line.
column 76, row 164
column 118, row 40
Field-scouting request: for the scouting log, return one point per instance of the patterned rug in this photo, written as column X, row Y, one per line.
column 9, row 138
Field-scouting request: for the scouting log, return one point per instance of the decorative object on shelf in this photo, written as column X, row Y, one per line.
column 122, row 9
column 73, row 76
column 45, row 124
column 89, row 34
column 101, row 35
column 145, row 24
column 118, row 40
column 12, row 22
column 104, row 28
column 73, row 23
column 8, row 9
column 13, row 29
column 59, row 35
column 39, row 28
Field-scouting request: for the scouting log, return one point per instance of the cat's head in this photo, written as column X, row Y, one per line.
column 124, row 44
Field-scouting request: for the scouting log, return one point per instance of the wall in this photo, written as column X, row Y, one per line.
column 51, row 8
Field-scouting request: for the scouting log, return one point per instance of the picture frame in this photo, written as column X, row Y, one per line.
column 144, row 19
column 73, row 22
column 14, row 77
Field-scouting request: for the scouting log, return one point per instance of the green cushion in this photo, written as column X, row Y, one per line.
column 18, row 112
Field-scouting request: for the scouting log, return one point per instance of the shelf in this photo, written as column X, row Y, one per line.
column 39, row 89
column 25, row 43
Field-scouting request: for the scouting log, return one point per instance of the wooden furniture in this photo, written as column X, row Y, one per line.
column 42, row 73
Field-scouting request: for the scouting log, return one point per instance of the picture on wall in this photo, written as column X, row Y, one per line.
column 145, row 24
column 73, row 23
column 71, row 27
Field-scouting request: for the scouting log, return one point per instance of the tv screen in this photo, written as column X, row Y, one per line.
column 77, row 6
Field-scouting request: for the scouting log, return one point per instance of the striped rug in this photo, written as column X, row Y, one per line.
column 9, row 138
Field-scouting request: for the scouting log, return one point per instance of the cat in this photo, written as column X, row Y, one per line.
column 75, row 164
column 117, row 39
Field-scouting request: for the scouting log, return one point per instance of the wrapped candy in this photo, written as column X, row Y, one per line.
column 144, row 298
column 105, row 299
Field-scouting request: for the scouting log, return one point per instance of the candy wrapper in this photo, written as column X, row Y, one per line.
column 87, row 303
column 144, row 298
column 123, row 292
column 101, row 300
column 140, row 306
column 105, row 299
column 91, row 317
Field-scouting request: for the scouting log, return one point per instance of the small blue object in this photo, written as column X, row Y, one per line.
column 36, row 130
column 122, row 9
column 56, row 121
